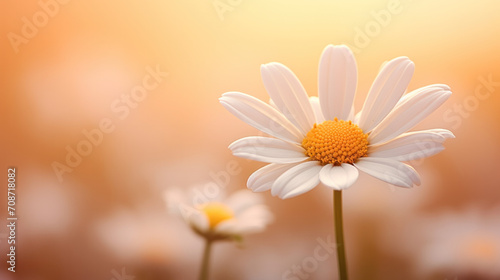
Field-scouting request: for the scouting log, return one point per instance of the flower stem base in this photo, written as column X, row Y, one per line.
column 206, row 259
column 339, row 234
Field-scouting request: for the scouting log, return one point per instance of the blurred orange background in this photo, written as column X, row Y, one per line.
column 61, row 75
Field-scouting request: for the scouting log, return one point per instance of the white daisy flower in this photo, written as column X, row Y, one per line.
column 241, row 213
column 322, row 140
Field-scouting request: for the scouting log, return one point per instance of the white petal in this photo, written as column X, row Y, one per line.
column 297, row 180
column 254, row 219
column 410, row 152
column 179, row 205
column 228, row 227
column 383, row 65
column 412, row 145
column 356, row 118
column 261, row 116
column 288, row 94
column 317, row 109
column 351, row 116
column 390, row 171
column 262, row 179
column 196, row 219
column 267, row 149
column 338, row 78
column 338, row 177
column 241, row 200
column 413, row 174
column 255, row 215
column 271, row 102
column 418, row 105
column 443, row 132
column 387, row 89
column 411, row 94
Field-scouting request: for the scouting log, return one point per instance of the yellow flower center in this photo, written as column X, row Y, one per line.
column 335, row 142
column 216, row 212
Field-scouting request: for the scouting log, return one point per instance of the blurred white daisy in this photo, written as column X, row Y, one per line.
column 461, row 244
column 219, row 218
column 321, row 140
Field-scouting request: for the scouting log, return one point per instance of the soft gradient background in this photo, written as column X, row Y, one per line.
column 108, row 213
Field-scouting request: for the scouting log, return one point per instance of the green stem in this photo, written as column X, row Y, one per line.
column 206, row 260
column 339, row 234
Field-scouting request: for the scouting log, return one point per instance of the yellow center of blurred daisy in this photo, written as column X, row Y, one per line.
column 216, row 212
column 335, row 142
